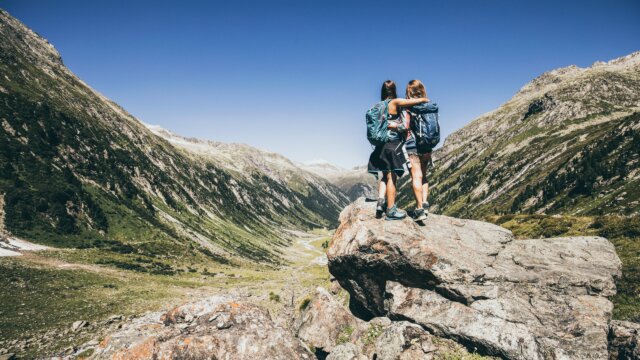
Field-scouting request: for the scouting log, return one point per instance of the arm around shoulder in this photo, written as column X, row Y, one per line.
column 408, row 102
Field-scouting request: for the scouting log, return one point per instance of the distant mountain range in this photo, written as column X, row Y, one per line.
column 567, row 143
column 354, row 182
column 77, row 170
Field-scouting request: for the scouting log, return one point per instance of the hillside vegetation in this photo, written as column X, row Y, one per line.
column 567, row 143
column 76, row 170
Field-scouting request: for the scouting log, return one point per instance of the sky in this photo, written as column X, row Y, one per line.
column 296, row 77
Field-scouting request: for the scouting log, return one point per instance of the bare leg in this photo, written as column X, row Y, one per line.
column 425, row 191
column 425, row 184
column 416, row 180
column 382, row 187
column 391, row 189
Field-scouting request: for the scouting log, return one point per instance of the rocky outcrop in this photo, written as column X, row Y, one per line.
column 329, row 327
column 624, row 340
column 218, row 327
column 325, row 322
column 473, row 282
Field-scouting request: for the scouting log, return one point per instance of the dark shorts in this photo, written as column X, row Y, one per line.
column 410, row 146
column 387, row 158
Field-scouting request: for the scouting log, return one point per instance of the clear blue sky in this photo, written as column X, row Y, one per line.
column 296, row 77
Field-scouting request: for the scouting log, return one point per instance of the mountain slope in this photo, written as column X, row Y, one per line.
column 568, row 142
column 355, row 182
column 243, row 160
column 76, row 170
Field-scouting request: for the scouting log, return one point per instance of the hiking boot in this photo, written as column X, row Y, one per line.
column 425, row 206
column 395, row 214
column 380, row 207
column 419, row 215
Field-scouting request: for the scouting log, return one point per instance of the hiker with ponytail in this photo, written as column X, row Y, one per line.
column 388, row 157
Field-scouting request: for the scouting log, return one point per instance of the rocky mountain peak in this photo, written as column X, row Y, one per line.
column 546, row 81
column 549, row 78
column 632, row 59
column 37, row 49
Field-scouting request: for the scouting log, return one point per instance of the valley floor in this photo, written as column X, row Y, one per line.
column 54, row 300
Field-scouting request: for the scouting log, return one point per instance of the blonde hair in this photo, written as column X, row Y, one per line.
column 415, row 89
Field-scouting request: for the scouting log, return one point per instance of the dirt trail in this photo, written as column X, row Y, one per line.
column 304, row 250
column 45, row 261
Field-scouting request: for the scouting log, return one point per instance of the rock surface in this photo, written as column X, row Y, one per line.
column 325, row 321
column 473, row 282
column 328, row 326
column 624, row 340
column 218, row 327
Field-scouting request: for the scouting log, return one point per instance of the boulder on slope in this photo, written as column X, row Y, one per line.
column 218, row 327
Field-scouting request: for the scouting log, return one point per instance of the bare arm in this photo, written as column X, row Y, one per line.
column 399, row 102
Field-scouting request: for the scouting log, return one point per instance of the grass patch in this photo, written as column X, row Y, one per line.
column 373, row 332
column 274, row 297
column 345, row 335
column 304, row 304
column 35, row 299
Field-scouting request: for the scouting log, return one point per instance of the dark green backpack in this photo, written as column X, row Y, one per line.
column 377, row 122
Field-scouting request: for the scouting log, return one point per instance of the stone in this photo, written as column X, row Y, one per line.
column 114, row 318
column 380, row 338
column 334, row 286
column 247, row 332
column 93, row 342
column 624, row 340
column 8, row 356
column 346, row 351
column 325, row 322
column 78, row 325
column 474, row 282
column 403, row 340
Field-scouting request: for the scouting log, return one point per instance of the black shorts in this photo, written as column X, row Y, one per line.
column 388, row 158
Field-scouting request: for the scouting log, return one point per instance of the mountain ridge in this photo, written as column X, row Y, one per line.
column 78, row 170
column 546, row 149
column 244, row 158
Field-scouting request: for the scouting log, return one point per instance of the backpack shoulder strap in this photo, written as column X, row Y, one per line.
column 385, row 109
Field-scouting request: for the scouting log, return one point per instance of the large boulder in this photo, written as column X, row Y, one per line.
column 325, row 322
column 329, row 327
column 218, row 327
column 473, row 282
